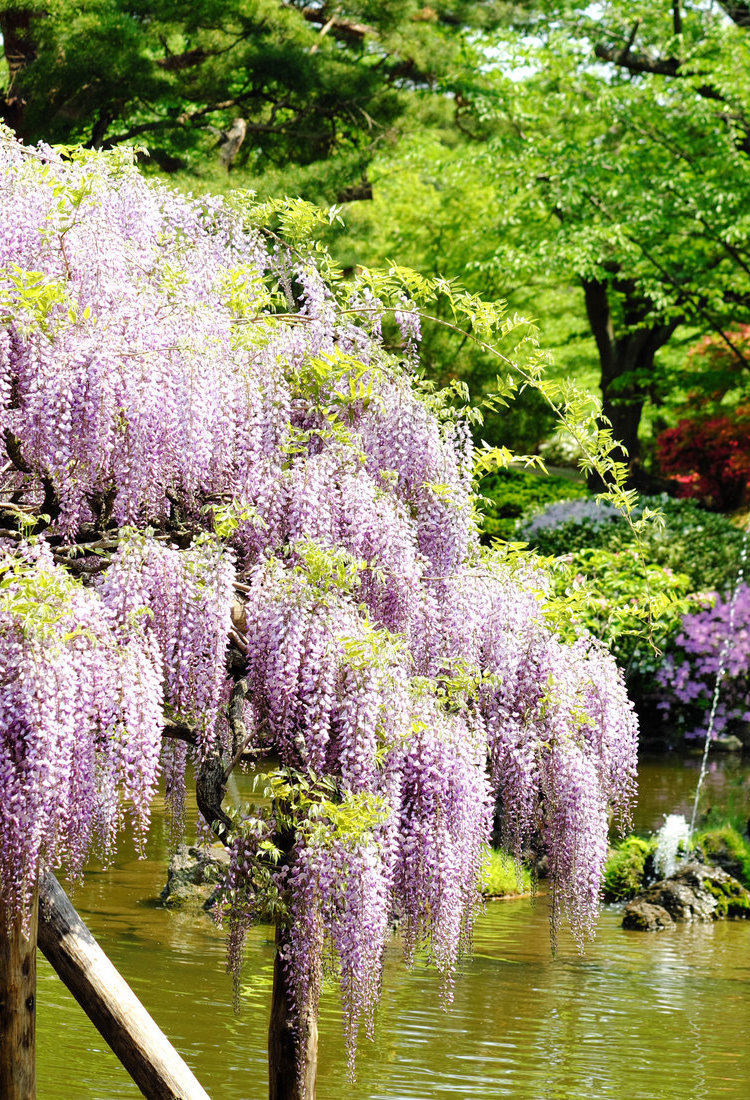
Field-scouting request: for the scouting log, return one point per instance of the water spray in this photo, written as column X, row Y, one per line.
column 720, row 673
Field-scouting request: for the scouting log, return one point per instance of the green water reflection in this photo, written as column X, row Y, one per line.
column 662, row 1016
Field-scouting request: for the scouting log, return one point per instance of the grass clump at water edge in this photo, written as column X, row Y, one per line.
column 626, row 868
column 503, row 877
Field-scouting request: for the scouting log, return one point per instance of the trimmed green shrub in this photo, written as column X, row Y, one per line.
column 510, row 493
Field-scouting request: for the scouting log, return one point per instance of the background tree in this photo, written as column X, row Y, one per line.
column 269, row 84
column 437, row 208
column 622, row 134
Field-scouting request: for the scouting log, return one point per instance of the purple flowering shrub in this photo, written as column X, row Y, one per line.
column 714, row 641
column 208, row 443
column 591, row 511
column 705, row 546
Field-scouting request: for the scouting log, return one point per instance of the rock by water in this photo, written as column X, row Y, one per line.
column 194, row 877
column 695, row 892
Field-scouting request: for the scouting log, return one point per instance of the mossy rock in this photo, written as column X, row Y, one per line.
column 626, row 864
column 194, row 877
column 732, row 899
column 726, row 848
column 694, row 893
column 641, row 916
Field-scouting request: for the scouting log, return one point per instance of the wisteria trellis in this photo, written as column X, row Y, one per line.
column 185, row 400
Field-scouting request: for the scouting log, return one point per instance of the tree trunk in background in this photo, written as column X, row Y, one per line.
column 18, row 1005
column 626, row 363
column 20, row 51
column 283, row 1083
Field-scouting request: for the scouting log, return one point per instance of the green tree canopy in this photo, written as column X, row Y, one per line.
column 271, row 82
column 618, row 136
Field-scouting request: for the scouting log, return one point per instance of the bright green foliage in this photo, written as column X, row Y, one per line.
column 618, row 598
column 705, row 546
column 503, row 877
column 626, row 865
column 436, row 207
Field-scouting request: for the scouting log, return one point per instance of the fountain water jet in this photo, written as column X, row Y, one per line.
column 672, row 844
column 720, row 673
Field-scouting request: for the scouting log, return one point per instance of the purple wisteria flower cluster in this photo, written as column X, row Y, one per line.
column 80, row 720
column 191, row 406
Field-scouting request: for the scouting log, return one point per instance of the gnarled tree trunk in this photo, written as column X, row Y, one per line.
column 626, row 362
column 284, row 1082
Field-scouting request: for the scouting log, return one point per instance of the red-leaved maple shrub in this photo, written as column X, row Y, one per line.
column 709, row 457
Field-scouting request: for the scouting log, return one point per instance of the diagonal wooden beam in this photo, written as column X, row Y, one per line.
column 109, row 1002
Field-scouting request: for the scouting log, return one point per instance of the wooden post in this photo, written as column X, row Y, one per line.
column 18, row 1005
column 109, row 1002
column 283, row 1079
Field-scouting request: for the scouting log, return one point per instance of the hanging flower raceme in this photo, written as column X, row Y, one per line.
column 445, row 816
column 80, row 721
column 184, row 598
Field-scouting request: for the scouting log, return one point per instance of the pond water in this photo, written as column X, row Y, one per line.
column 641, row 1016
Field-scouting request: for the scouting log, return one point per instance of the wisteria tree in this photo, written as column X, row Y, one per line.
column 232, row 516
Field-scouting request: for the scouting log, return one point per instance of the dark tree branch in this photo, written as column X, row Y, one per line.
column 631, row 39
column 738, row 11
column 638, row 62
column 179, row 731
column 13, row 449
column 339, row 27
column 657, row 66
column 600, row 317
column 176, row 62
column 677, row 16
column 188, row 117
column 670, row 67
column 50, row 506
